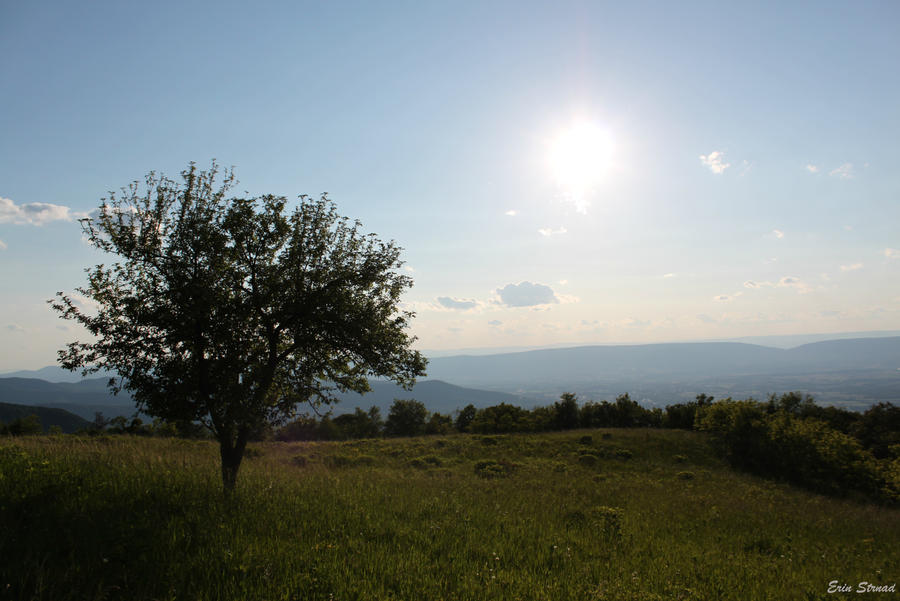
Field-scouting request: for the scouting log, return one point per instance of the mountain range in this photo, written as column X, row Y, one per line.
column 849, row 372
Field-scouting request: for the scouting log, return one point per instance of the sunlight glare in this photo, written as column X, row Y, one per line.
column 579, row 157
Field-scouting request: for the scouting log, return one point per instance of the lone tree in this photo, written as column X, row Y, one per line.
column 231, row 311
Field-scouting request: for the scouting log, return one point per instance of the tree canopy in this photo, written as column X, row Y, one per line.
column 231, row 311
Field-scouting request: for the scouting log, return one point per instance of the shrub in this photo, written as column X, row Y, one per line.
column 608, row 520
column 494, row 469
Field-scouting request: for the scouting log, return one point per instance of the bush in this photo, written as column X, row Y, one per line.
column 494, row 469
column 779, row 443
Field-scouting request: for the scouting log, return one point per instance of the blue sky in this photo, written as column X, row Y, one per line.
column 746, row 181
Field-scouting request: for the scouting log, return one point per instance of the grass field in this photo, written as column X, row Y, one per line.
column 602, row 514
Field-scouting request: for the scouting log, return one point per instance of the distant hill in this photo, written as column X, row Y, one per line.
column 437, row 396
column 84, row 398
column 67, row 421
column 51, row 373
column 88, row 397
column 857, row 372
column 656, row 361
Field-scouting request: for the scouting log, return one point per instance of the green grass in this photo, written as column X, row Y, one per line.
column 456, row 517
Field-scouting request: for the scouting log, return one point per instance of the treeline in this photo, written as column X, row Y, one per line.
column 412, row 418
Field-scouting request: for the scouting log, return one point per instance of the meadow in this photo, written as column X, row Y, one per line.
column 624, row 514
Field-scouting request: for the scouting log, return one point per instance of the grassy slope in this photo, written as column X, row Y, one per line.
column 132, row 518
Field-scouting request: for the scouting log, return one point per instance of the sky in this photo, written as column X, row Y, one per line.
column 557, row 173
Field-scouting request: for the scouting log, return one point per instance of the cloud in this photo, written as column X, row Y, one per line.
column 746, row 167
column 715, row 161
column 852, row 267
column 752, row 284
column 511, row 213
column 723, row 298
column 778, row 234
column 705, row 318
column 457, row 304
column 526, row 294
column 495, row 322
column 409, row 269
column 812, row 168
column 845, row 171
column 796, row 283
column 34, row 213
column 891, row 253
column 14, row 327
column 670, row 275
column 546, row 231
column 2, row 245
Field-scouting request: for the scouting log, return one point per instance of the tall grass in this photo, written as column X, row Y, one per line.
column 138, row 518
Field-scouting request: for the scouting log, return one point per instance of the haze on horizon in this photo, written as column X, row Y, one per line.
column 557, row 173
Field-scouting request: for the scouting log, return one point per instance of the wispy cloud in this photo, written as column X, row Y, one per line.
column 34, row 213
column 751, row 284
column 670, row 275
column 457, row 304
column 715, row 161
column 495, row 323
column 14, row 327
column 852, row 267
column 777, row 234
column 723, row 298
column 845, row 171
column 511, row 213
column 2, row 245
column 546, row 231
column 812, row 168
column 892, row 253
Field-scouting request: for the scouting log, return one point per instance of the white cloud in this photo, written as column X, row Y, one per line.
column 563, row 282
column 3, row 245
column 852, row 267
column 812, row 168
column 34, row 213
column 14, row 327
column 845, row 171
column 408, row 269
column 526, row 294
column 546, row 231
column 892, row 253
column 723, row 298
column 796, row 283
column 670, row 275
column 511, row 213
column 746, row 167
column 715, row 161
column 778, row 234
column 495, row 322
column 457, row 304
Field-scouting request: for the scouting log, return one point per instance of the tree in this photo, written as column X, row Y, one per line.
column 231, row 311
column 406, row 418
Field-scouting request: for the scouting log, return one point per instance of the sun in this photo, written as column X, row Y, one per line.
column 579, row 157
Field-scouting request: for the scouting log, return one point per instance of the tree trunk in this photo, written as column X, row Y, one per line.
column 232, row 453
